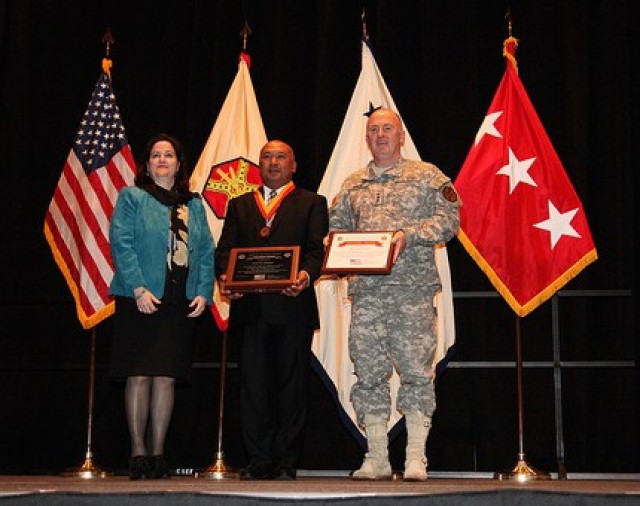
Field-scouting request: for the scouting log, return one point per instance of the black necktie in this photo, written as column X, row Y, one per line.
column 272, row 195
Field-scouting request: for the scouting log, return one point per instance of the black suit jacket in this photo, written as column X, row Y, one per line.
column 302, row 219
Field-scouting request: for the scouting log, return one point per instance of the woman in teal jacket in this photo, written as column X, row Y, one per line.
column 163, row 254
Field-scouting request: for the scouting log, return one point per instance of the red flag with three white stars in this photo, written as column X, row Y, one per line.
column 521, row 219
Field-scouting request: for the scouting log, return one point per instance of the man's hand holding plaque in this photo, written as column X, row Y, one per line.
column 303, row 281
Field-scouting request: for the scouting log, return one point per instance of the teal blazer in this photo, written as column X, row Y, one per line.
column 139, row 237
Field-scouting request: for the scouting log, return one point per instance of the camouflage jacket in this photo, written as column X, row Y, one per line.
column 414, row 196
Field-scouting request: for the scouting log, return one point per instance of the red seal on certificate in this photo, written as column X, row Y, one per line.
column 265, row 232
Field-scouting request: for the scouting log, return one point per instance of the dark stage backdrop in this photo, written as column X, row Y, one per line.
column 174, row 61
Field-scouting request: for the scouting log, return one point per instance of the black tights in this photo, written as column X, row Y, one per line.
column 147, row 399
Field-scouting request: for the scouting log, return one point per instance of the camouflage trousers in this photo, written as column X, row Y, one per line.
column 392, row 325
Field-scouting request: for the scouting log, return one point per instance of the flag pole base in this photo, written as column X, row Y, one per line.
column 88, row 470
column 218, row 470
column 522, row 472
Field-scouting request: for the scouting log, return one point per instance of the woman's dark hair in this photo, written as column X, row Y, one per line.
column 143, row 178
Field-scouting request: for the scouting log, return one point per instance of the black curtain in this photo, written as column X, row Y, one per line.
column 442, row 60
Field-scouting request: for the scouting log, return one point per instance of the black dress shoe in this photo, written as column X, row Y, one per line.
column 257, row 472
column 139, row 467
column 158, row 468
column 286, row 473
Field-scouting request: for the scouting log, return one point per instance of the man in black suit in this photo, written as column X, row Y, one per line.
column 277, row 328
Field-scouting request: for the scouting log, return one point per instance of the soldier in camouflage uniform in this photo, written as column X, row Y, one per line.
column 393, row 316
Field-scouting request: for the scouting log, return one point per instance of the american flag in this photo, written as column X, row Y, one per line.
column 76, row 225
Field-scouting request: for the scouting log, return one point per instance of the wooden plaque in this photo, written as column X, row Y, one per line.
column 369, row 252
column 262, row 269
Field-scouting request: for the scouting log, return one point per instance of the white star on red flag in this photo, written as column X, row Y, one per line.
column 517, row 171
column 558, row 224
column 488, row 126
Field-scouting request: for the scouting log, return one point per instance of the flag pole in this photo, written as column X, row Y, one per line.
column 219, row 469
column 88, row 469
column 522, row 471
column 224, row 144
column 520, row 130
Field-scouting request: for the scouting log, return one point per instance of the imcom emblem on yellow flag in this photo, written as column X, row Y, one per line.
column 228, row 180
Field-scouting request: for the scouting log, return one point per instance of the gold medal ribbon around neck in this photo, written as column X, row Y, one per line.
column 268, row 211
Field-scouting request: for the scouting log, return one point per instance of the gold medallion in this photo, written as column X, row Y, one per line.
column 265, row 232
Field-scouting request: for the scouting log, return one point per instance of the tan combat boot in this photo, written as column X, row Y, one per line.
column 376, row 464
column 415, row 465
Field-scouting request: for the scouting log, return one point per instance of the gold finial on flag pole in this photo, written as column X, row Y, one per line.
column 510, row 44
column 107, row 40
column 244, row 33
column 365, row 35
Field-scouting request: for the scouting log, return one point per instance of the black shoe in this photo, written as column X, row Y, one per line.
column 138, row 467
column 257, row 472
column 158, row 468
column 286, row 474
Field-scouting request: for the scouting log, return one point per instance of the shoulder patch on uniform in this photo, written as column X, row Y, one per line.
column 449, row 193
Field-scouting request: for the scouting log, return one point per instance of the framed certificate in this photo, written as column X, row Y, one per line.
column 262, row 269
column 369, row 252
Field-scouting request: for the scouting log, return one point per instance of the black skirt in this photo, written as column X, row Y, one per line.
column 158, row 344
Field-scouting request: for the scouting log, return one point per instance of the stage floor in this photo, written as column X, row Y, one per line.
column 313, row 486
